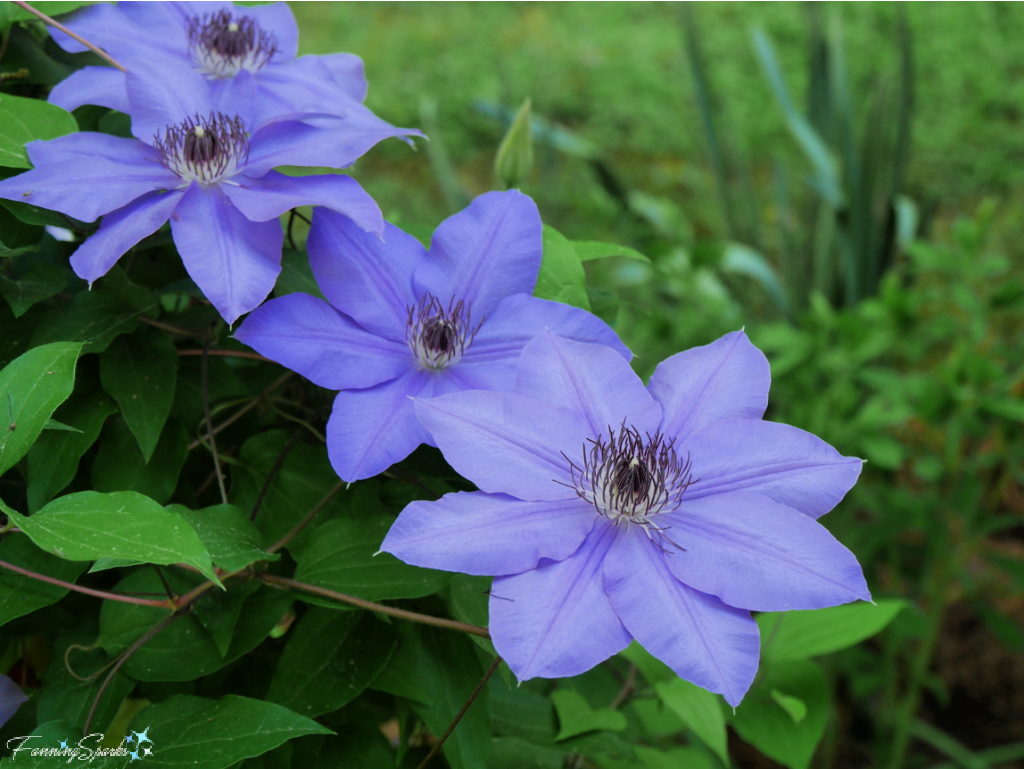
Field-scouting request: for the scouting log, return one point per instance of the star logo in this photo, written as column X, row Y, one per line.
column 64, row 744
column 143, row 736
column 146, row 751
column 129, row 738
column 134, row 755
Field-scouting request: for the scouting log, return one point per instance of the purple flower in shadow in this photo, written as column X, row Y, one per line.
column 227, row 45
column 403, row 322
column 207, row 173
column 11, row 698
column 609, row 511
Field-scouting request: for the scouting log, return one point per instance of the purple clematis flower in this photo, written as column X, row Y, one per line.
column 228, row 45
column 609, row 511
column 11, row 698
column 405, row 322
column 203, row 170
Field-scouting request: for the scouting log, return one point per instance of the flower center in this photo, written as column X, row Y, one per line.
column 204, row 149
column 222, row 45
column 629, row 477
column 439, row 335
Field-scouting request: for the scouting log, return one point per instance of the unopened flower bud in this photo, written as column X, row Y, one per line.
column 515, row 155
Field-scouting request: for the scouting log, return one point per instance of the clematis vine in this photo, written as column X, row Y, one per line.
column 204, row 170
column 402, row 322
column 609, row 512
column 227, row 45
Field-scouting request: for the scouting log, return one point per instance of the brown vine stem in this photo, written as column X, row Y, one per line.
column 245, row 409
column 278, row 464
column 458, row 716
column 229, row 354
column 380, row 608
column 209, row 421
column 88, row 591
column 168, row 327
column 309, row 517
column 123, row 659
column 52, row 22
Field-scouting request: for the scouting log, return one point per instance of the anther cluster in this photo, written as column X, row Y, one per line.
column 629, row 476
column 204, row 149
column 437, row 334
column 222, row 45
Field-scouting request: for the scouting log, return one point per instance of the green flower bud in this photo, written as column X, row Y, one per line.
column 515, row 155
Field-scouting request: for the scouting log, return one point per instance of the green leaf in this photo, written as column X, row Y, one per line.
column 700, row 710
column 653, row 669
column 561, row 277
column 50, row 7
column 31, row 388
column 342, row 558
column 793, row 705
column 231, row 539
column 21, row 595
column 50, row 735
column 196, row 733
column 797, row 635
column 739, row 259
column 184, row 650
column 40, row 282
column 66, row 698
column 92, row 318
column 771, row 728
column 53, row 459
column 120, row 466
column 448, row 670
column 591, row 249
column 139, row 371
column 575, row 716
column 89, row 525
column 53, row 424
column 675, row 758
column 330, row 658
column 468, row 599
column 514, row 753
column 296, row 275
column 218, row 611
column 26, row 120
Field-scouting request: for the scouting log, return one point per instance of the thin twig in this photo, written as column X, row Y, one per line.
column 95, row 49
column 278, row 464
column 124, row 658
column 224, row 455
column 168, row 327
column 309, row 517
column 291, row 221
column 404, row 477
column 229, row 354
column 380, row 608
column 627, row 688
column 245, row 409
column 163, row 581
column 86, row 590
column 458, row 716
column 209, row 422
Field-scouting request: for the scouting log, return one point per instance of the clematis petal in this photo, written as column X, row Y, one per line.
column 161, row 96
column 128, row 30
column 726, row 379
column 85, row 175
column 307, row 335
column 270, row 196
column 520, row 317
column 103, row 86
column 590, row 379
column 507, row 444
column 488, row 534
column 756, row 554
column 782, row 462
column 234, row 261
column 369, row 430
column 120, row 230
column 367, row 278
column 703, row 640
column 306, row 84
column 488, row 251
column 555, row 620
column 331, row 140
column 349, row 73
column 11, row 698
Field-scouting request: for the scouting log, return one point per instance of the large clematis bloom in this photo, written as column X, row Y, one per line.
column 401, row 322
column 227, row 45
column 207, row 172
column 610, row 512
